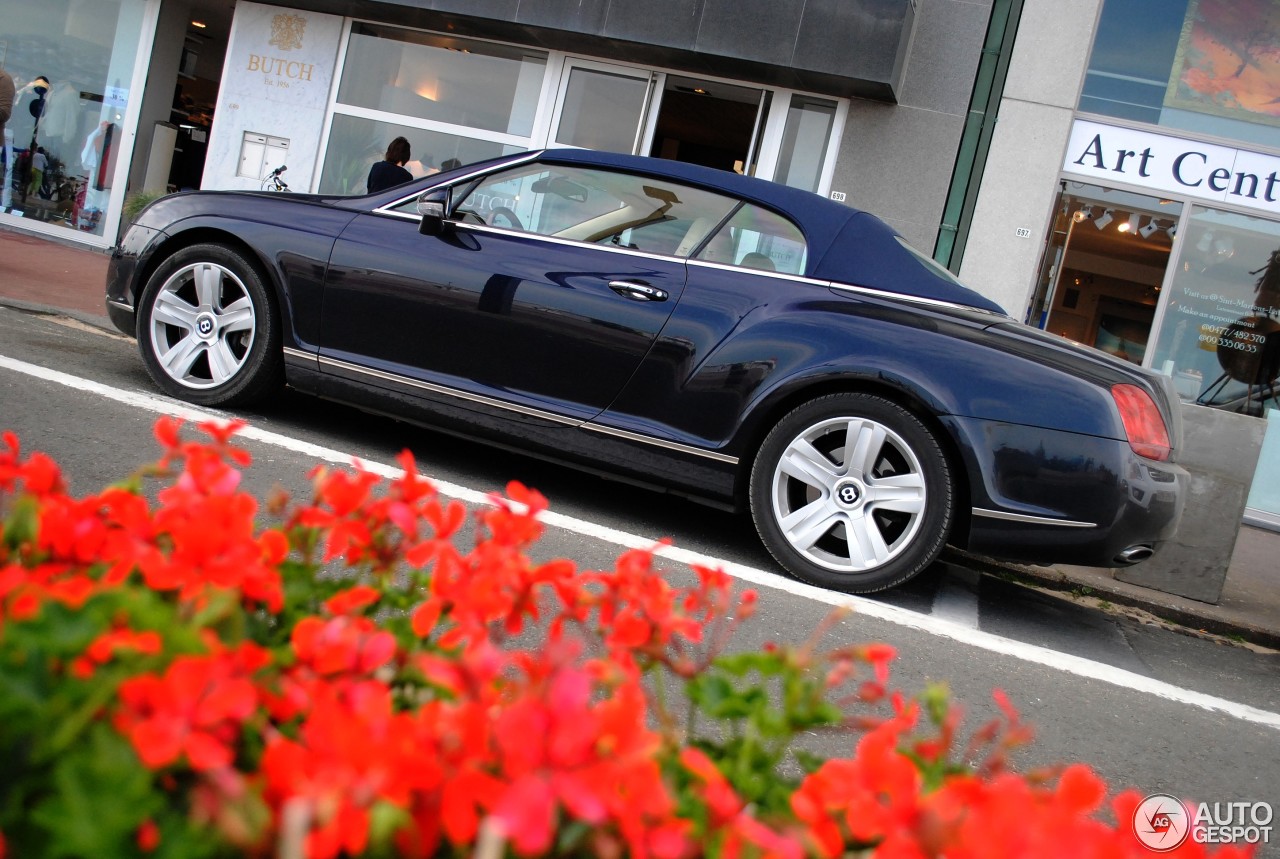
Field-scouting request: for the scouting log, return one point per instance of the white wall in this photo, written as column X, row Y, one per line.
column 275, row 85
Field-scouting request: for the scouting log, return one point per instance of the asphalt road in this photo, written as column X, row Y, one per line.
column 1148, row 708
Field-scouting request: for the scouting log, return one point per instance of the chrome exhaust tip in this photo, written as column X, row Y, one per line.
column 1134, row 554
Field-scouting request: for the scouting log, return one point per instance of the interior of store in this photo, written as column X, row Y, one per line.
column 195, row 91
column 1105, row 266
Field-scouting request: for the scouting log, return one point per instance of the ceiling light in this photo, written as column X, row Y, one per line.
column 1107, row 217
column 1083, row 214
column 1149, row 229
column 200, row 25
column 1131, row 225
column 1173, row 230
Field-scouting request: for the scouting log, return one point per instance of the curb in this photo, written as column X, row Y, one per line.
column 1152, row 602
column 102, row 322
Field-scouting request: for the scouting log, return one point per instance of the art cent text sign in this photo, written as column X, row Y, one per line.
column 1107, row 154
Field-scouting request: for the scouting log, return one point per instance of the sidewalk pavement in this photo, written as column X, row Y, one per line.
column 51, row 276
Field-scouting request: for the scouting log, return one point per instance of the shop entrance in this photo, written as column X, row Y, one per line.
column 624, row 109
column 712, row 124
column 1104, row 266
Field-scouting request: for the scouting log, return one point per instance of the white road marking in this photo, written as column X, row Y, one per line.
column 956, row 599
column 973, row 637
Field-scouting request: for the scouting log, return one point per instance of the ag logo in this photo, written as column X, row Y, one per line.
column 1161, row 823
column 286, row 31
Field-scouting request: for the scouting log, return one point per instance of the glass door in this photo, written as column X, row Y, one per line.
column 602, row 106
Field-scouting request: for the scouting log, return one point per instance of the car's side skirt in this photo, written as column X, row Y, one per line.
column 504, row 405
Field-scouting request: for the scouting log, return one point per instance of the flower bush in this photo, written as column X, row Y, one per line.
column 177, row 680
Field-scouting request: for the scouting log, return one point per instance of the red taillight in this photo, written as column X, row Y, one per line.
column 1142, row 422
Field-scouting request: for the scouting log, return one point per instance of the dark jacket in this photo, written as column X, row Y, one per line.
column 384, row 175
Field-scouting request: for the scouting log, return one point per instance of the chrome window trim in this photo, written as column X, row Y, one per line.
column 758, row 272
column 524, row 410
column 915, row 299
column 1031, row 520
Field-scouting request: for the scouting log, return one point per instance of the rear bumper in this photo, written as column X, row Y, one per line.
column 1054, row 497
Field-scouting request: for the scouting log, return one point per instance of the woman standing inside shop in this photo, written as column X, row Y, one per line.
column 390, row 171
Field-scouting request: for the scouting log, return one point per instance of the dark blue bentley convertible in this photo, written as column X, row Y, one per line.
column 711, row 334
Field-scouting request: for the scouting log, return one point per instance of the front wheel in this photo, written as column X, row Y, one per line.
column 208, row 329
column 852, row 492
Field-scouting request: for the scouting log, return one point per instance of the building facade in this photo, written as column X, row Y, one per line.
column 1131, row 197
column 1107, row 169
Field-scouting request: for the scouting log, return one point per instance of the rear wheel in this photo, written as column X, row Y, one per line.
column 852, row 492
column 208, row 329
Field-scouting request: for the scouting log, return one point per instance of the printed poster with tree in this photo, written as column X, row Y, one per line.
column 1228, row 60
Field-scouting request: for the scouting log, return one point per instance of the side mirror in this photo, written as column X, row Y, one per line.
column 433, row 205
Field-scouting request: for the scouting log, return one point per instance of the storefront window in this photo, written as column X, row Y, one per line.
column 443, row 79
column 1103, row 268
column 1220, row 335
column 804, row 142
column 602, row 110
column 356, row 143
column 1205, row 66
column 72, row 62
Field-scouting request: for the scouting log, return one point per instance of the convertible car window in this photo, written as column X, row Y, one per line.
column 758, row 238
column 599, row 206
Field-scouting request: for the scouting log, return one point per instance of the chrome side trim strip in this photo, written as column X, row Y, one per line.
column 451, row 392
column 525, row 410
column 670, row 445
column 123, row 305
column 308, row 359
column 1031, row 520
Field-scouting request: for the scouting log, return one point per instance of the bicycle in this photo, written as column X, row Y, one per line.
column 273, row 182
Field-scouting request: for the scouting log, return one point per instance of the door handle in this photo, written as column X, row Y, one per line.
column 637, row 291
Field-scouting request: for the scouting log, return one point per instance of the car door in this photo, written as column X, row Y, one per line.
column 546, row 289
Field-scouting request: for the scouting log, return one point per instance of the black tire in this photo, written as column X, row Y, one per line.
column 895, row 496
column 209, row 329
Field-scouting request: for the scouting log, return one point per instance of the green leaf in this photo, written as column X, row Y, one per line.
column 101, row 794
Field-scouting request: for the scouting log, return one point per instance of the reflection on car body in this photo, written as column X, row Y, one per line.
column 710, row 334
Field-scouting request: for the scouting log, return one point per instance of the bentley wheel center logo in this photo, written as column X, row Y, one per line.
column 286, row 31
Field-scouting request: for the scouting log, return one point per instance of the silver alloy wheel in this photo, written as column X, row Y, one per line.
column 848, row 494
column 202, row 325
